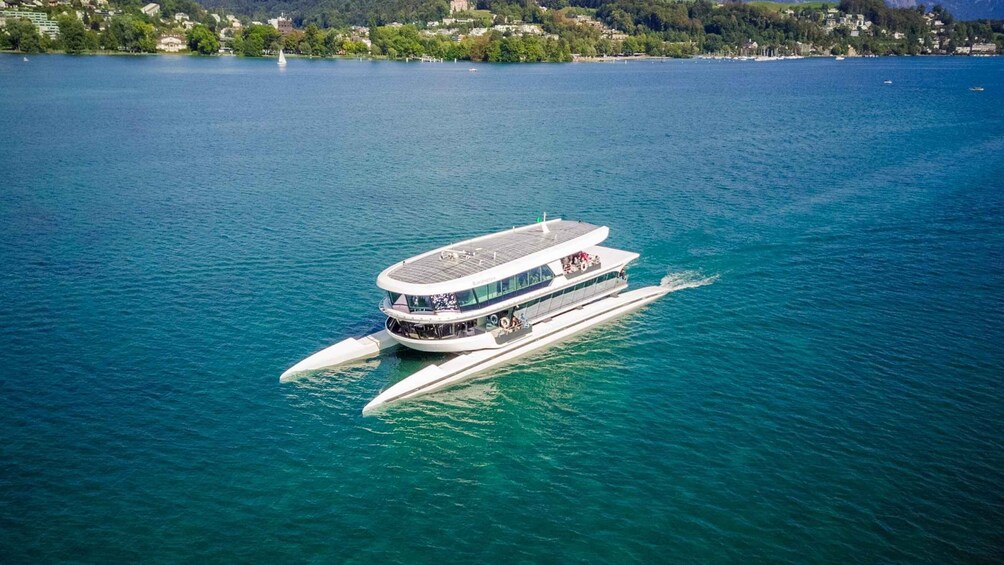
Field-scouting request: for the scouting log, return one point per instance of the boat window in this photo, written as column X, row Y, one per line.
column 419, row 303
column 466, row 298
column 495, row 289
column 485, row 295
column 482, row 293
column 569, row 295
column 523, row 280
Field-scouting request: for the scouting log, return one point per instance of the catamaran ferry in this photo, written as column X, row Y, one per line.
column 492, row 299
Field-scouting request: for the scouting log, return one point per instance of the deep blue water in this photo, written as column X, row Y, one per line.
column 178, row 231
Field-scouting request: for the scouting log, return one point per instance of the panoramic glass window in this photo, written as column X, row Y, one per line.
column 466, row 298
column 477, row 297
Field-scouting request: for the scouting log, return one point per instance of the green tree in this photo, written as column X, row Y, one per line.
column 313, row 41
column 399, row 41
column 332, row 41
column 533, row 49
column 202, row 40
column 23, row 36
column 354, row 47
column 132, row 34
column 511, row 50
column 255, row 40
column 73, row 34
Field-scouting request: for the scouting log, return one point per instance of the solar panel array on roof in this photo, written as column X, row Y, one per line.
column 473, row 257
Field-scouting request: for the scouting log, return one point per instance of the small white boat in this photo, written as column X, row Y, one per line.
column 971, row 89
column 282, row 59
column 887, row 82
column 25, row 59
column 472, row 70
column 840, row 57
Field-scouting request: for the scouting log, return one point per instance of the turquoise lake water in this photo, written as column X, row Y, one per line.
column 178, row 231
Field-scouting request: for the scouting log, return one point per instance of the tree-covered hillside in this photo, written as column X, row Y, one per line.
column 336, row 13
column 332, row 13
column 962, row 9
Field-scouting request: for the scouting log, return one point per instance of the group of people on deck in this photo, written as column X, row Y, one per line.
column 578, row 262
column 508, row 324
column 444, row 301
column 435, row 331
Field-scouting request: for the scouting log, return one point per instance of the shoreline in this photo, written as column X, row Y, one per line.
column 575, row 59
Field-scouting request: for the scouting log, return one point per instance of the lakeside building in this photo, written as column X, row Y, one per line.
column 360, row 34
column 283, row 24
column 40, row 20
column 171, row 43
column 150, row 9
column 459, row 6
column 520, row 29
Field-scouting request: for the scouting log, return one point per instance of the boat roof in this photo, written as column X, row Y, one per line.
column 484, row 259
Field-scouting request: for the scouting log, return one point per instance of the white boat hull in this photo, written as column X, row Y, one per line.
column 345, row 351
column 438, row 377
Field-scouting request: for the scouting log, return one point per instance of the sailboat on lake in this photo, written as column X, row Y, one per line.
column 282, row 59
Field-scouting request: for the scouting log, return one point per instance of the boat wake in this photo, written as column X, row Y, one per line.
column 686, row 279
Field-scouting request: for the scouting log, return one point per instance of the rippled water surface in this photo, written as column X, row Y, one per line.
column 176, row 232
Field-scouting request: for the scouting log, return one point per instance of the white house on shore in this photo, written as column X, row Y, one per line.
column 171, row 44
column 151, row 9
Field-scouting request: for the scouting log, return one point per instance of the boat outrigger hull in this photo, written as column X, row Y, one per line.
column 437, row 377
column 345, row 351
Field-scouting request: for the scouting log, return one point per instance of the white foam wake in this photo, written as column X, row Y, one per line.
column 686, row 279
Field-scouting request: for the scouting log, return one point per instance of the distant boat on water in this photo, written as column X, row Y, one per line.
column 282, row 59
column 472, row 70
column 25, row 59
column 840, row 57
column 971, row 89
column 887, row 82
